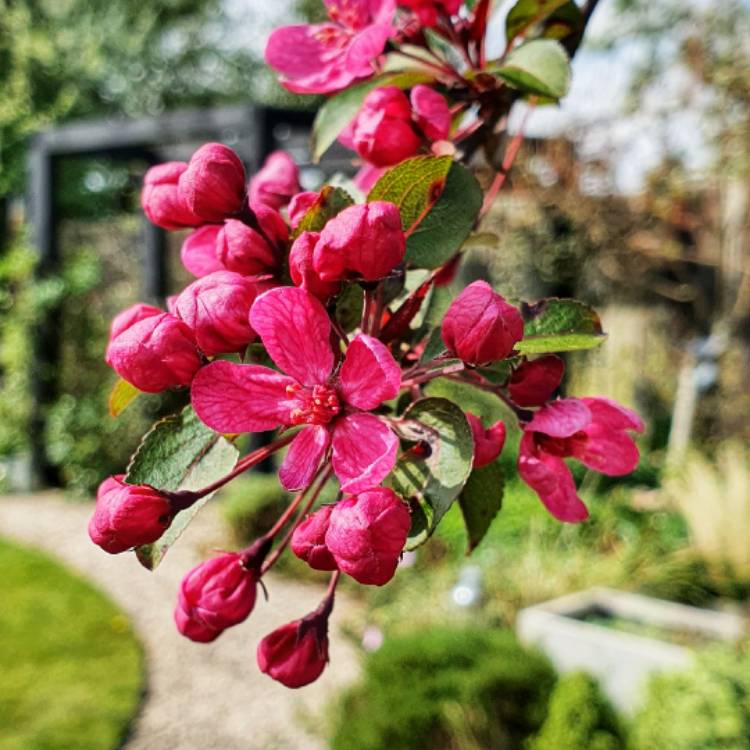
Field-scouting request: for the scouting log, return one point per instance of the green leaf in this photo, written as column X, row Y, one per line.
column 434, row 347
column 566, row 21
column 481, row 500
column 331, row 201
column 481, row 403
column 539, row 67
column 338, row 111
column 349, row 306
column 448, row 223
column 526, row 13
column 432, row 474
column 121, row 396
column 559, row 325
column 179, row 453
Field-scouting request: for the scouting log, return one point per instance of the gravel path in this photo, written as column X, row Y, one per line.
column 199, row 697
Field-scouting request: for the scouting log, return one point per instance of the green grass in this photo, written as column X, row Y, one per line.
column 71, row 670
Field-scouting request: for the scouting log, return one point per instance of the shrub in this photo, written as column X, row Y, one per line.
column 704, row 708
column 445, row 688
column 579, row 716
column 251, row 505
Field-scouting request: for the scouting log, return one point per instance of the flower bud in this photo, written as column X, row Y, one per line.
column 296, row 653
column 161, row 199
column 301, row 267
column 382, row 132
column 128, row 515
column 428, row 10
column 155, row 353
column 242, row 249
column 276, row 182
column 488, row 443
column 130, row 317
column 363, row 241
column 480, row 326
column 198, row 252
column 216, row 308
column 308, row 540
column 366, row 535
column 431, row 112
column 217, row 594
column 300, row 205
column 213, row 185
column 533, row 382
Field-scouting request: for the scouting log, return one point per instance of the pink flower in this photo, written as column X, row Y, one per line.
column 326, row 57
column 427, row 10
column 331, row 403
column 128, row 515
column 300, row 205
column 242, row 249
column 367, row 533
column 198, row 252
column 161, row 200
column 296, row 653
column 215, row 595
column 431, row 112
column 367, row 176
column 365, row 242
column 480, row 326
column 216, row 309
column 276, row 182
column 213, row 185
column 488, row 442
column 301, row 267
column 308, row 540
column 534, row 381
column 152, row 350
column 593, row 430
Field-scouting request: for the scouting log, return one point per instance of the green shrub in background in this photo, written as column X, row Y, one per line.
column 252, row 503
column 579, row 717
column 445, row 688
column 704, row 708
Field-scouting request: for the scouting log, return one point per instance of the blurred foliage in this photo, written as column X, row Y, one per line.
column 579, row 717
column 704, row 708
column 72, row 668
column 445, row 689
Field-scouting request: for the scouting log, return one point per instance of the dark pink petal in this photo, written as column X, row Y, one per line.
column 357, row 14
column 367, row 176
column 364, row 48
column 364, row 451
column 369, row 374
column 127, row 318
column 561, row 418
column 303, row 458
column 198, row 253
column 241, row 398
column 610, row 415
column 431, row 112
column 551, row 479
column 533, row 382
column 611, row 452
column 299, row 205
column 295, row 329
column 488, row 442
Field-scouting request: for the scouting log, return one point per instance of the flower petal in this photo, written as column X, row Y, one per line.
column 611, row 415
column 551, row 479
column 198, row 253
column 369, row 374
column 303, row 458
column 296, row 331
column 241, row 398
column 561, row 418
column 611, row 452
column 364, row 451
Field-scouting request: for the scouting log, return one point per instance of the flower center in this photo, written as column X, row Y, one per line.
column 316, row 405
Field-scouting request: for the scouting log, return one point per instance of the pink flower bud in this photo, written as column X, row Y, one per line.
column 130, row 317
column 161, row 200
column 308, row 540
column 299, row 206
column 213, row 185
column 533, row 382
column 276, row 182
column 198, row 252
column 364, row 241
column 480, row 326
column 427, row 10
column 243, row 250
column 216, row 594
column 367, row 533
column 382, row 132
column 296, row 653
column 216, row 308
column 301, row 267
column 128, row 515
column 488, row 443
column 155, row 353
column 431, row 112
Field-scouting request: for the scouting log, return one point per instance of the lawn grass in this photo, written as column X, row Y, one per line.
column 71, row 669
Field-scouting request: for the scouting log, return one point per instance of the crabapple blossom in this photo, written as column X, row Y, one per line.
column 276, row 183
column 308, row 540
column 302, row 271
column 244, row 250
column 431, row 112
column 300, row 205
column 534, row 381
column 427, row 11
column 161, row 199
column 488, row 441
column 198, row 251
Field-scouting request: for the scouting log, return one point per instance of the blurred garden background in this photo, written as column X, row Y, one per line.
column 633, row 196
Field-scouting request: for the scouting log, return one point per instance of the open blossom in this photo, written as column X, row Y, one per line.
column 488, row 441
column 309, row 540
column 367, row 533
column 592, row 430
column 480, row 326
column 534, row 381
column 332, row 405
column 276, row 182
column 152, row 349
column 161, row 200
column 302, row 271
column 128, row 515
column 326, row 57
